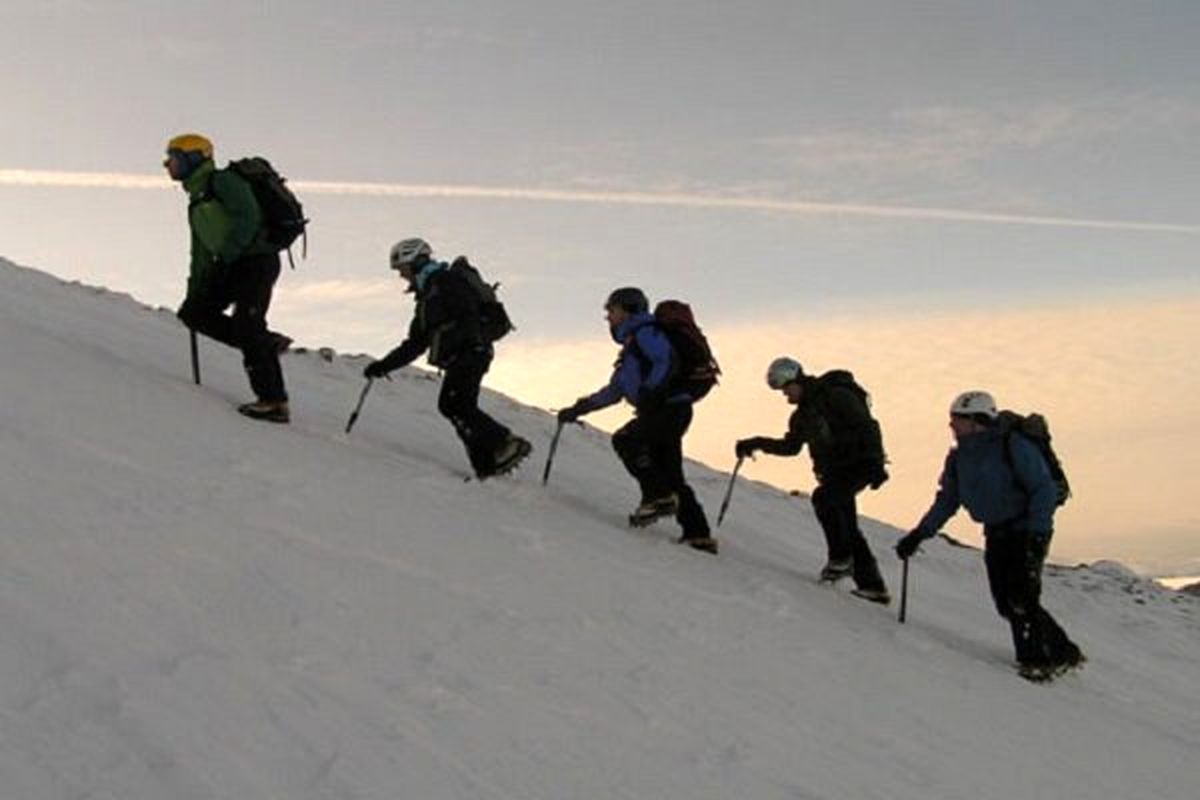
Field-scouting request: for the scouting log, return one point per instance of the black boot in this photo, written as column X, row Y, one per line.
column 267, row 411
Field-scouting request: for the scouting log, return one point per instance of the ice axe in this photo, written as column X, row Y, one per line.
column 195, row 358
column 904, row 592
column 729, row 491
column 550, row 456
column 362, row 398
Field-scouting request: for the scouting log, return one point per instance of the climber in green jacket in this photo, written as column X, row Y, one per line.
column 231, row 265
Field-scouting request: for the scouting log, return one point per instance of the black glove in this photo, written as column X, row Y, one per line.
column 909, row 544
column 571, row 413
column 375, row 370
column 747, row 447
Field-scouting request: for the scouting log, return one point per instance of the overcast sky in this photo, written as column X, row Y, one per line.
column 936, row 195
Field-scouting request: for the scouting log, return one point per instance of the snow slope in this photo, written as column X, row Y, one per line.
column 194, row 605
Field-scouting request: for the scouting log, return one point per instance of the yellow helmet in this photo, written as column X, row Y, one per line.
column 191, row 143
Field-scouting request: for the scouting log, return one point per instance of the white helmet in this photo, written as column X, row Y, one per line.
column 968, row 404
column 783, row 371
column 410, row 251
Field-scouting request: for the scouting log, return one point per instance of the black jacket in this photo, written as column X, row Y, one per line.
column 833, row 419
column 445, row 322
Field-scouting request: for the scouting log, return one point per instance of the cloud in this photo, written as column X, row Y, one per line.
column 47, row 178
column 944, row 140
column 82, row 180
column 326, row 292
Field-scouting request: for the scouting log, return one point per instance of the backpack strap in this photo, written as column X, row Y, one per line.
column 1008, row 457
column 645, row 363
column 205, row 194
column 674, row 362
column 634, row 349
column 303, row 249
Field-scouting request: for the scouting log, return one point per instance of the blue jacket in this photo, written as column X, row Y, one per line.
column 977, row 475
column 642, row 369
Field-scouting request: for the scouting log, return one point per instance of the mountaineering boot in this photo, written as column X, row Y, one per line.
column 510, row 454
column 279, row 342
column 650, row 510
column 271, row 411
column 836, row 569
column 876, row 594
column 1075, row 660
column 1036, row 672
column 705, row 544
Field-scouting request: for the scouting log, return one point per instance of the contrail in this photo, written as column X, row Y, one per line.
column 114, row 180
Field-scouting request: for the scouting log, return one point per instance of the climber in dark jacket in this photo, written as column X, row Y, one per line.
column 446, row 323
column 1005, row 484
column 846, row 445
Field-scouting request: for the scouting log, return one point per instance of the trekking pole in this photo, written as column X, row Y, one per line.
column 904, row 592
column 361, row 399
column 195, row 358
column 553, row 447
column 729, row 491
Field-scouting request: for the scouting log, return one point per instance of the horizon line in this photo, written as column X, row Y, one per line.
column 134, row 181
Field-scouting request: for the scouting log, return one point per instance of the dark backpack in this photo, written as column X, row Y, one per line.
column 844, row 379
column 1034, row 428
column 867, row 442
column 494, row 322
column 695, row 370
column 283, row 217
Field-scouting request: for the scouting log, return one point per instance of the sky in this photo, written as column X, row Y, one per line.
column 940, row 196
column 197, row 606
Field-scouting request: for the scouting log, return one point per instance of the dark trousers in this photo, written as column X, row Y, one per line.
column 651, row 448
column 246, row 285
column 459, row 402
column 836, row 505
column 1014, row 568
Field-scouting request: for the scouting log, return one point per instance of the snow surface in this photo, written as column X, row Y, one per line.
column 194, row 605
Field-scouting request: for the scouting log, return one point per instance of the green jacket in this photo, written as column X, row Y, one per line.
column 225, row 221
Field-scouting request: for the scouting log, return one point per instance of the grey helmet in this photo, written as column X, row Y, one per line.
column 783, row 371
column 413, row 251
column 971, row 404
column 629, row 298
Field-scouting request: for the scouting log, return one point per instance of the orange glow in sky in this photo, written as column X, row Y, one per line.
column 1117, row 381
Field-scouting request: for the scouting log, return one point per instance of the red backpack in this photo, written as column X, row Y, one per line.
column 695, row 369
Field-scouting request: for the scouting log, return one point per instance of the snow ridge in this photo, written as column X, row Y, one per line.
column 196, row 606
